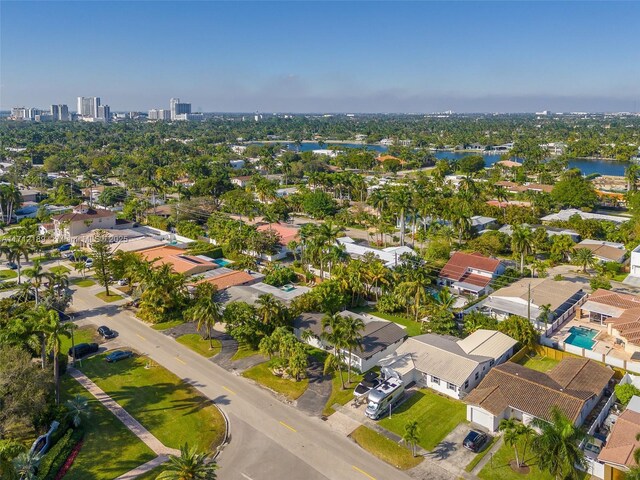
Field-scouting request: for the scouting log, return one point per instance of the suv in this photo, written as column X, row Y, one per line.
column 118, row 355
column 106, row 332
column 83, row 349
column 474, row 441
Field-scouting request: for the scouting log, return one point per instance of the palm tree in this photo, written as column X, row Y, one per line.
column 557, row 446
column 54, row 331
column 9, row 449
column 26, row 465
column 350, row 330
column 190, row 465
column 77, row 408
column 401, row 200
column 17, row 250
column 417, row 291
column 631, row 174
column 445, row 299
column 270, row 310
column 521, row 242
column 38, row 275
column 583, row 257
column 331, row 334
column 412, row 436
column 332, row 364
column 511, row 436
column 205, row 311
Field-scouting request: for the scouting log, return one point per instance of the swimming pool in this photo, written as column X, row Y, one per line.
column 581, row 337
column 223, row 262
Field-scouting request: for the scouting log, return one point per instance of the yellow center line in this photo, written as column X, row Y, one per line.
column 228, row 389
column 363, row 472
column 288, row 426
column 140, row 336
column 180, row 360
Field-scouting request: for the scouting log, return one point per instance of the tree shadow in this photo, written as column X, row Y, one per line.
column 443, row 450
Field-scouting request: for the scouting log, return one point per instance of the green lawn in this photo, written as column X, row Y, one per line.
column 541, row 364
column 338, row 395
column 289, row 388
column 152, row 474
column 199, row 345
column 167, row 325
column 499, row 469
column 413, row 328
column 113, row 297
column 244, row 351
column 385, row 449
column 170, row 409
column 59, row 269
column 7, row 274
column 84, row 282
column 437, row 415
column 109, row 448
column 86, row 334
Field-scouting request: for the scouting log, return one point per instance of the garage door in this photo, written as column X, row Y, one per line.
column 482, row 418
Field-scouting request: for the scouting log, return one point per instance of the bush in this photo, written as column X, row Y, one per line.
column 388, row 304
column 55, row 458
column 600, row 282
column 558, row 278
column 278, row 276
column 625, row 392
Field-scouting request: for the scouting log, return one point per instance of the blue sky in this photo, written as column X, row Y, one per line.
column 323, row 56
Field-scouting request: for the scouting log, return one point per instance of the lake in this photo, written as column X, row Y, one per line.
column 587, row 167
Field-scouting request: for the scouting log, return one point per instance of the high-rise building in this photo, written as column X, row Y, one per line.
column 159, row 114
column 178, row 108
column 103, row 112
column 88, row 106
column 60, row 113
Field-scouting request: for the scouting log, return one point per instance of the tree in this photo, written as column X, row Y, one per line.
column 520, row 329
column 442, row 322
column 514, row 432
column 411, row 436
column 54, row 330
column 102, row 259
column 271, row 311
column 350, row 331
column 583, row 257
column 557, row 446
column 625, row 392
column 9, row 449
column 332, row 364
column 37, row 275
column 631, row 173
column 574, row 191
column 476, row 320
column 190, row 465
column 26, row 465
column 319, row 204
column 521, row 242
column 77, row 409
column 471, row 163
column 16, row 251
column 205, row 311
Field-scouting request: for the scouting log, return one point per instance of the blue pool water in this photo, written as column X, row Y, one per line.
column 223, row 262
column 581, row 337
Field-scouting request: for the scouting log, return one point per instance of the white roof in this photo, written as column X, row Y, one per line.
column 487, row 343
column 389, row 257
column 565, row 215
column 634, row 404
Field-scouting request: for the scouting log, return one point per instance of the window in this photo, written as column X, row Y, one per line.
column 477, row 375
column 435, row 380
column 466, row 384
column 451, row 386
column 491, row 363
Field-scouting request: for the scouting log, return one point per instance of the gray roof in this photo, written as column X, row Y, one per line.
column 376, row 336
column 251, row 293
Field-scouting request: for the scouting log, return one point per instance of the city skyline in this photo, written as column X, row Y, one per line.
column 326, row 57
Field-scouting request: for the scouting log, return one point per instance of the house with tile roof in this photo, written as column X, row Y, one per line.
column 617, row 453
column 287, row 234
column 604, row 251
column 81, row 219
column 179, row 259
column 449, row 365
column 620, row 312
column 510, row 390
column 224, row 278
column 379, row 338
column 470, row 273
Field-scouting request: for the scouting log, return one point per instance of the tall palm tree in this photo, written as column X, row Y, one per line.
column 511, row 435
column 331, row 334
column 37, row 275
column 631, row 173
column 190, row 465
column 445, row 299
column 522, row 242
column 583, row 257
column 17, row 250
column 54, row 330
column 77, row 409
column 350, row 329
column 557, row 446
column 401, row 200
column 411, row 436
column 206, row 311
column 416, row 290
column 270, row 310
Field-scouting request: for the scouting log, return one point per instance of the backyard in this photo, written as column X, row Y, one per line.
column 539, row 363
column 438, row 415
column 173, row 411
column 413, row 328
column 289, row 388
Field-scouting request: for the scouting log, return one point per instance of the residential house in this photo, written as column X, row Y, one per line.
column 241, row 181
column 224, row 278
column 551, row 231
column 379, row 338
column 179, row 259
column 620, row 312
column 450, row 365
column 528, row 298
column 513, row 187
column 617, row 453
column 565, row 215
column 480, row 223
column 287, row 234
column 237, row 164
column 390, row 256
column 29, row 195
column 604, row 251
column 251, row 293
column 81, row 219
column 470, row 273
column 511, row 390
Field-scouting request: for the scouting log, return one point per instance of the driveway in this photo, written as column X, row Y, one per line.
column 313, row 400
column 450, row 454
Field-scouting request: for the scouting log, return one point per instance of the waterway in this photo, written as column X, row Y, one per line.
column 586, row 166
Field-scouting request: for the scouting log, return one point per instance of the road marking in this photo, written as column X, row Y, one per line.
column 230, row 391
column 140, row 336
column 363, row 472
column 180, row 360
column 288, row 426
column 246, row 476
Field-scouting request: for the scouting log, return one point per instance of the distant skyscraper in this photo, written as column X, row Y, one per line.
column 88, row 106
column 103, row 112
column 178, row 108
column 55, row 111
column 159, row 114
column 60, row 113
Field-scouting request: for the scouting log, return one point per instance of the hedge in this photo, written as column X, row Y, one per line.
column 55, row 458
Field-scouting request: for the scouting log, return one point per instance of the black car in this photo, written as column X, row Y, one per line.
column 474, row 441
column 106, row 332
column 83, row 349
column 118, row 355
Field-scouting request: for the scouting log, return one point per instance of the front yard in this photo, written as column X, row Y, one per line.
column 86, row 334
column 170, row 409
column 385, row 449
column 195, row 342
column 337, row 394
column 289, row 388
column 437, row 415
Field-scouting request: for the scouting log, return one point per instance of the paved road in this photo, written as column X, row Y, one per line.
column 269, row 439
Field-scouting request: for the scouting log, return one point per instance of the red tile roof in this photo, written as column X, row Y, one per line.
column 230, row 279
column 457, row 266
column 286, row 233
column 622, row 441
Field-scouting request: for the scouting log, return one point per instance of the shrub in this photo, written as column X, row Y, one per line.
column 600, row 282
column 625, row 392
column 558, row 278
column 278, row 276
column 56, row 457
column 388, row 304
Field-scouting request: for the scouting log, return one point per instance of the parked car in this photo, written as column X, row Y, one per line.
column 88, row 262
column 123, row 282
column 64, row 248
column 83, row 349
column 12, row 265
column 106, row 332
column 474, row 441
column 118, row 355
